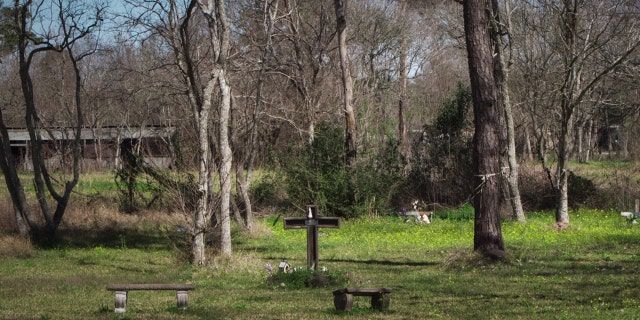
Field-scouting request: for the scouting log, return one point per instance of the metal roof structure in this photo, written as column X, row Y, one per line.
column 20, row 136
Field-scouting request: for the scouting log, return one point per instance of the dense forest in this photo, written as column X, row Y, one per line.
column 357, row 106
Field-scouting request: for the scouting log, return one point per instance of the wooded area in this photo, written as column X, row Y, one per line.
column 371, row 97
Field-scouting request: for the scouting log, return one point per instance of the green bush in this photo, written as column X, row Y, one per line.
column 463, row 213
column 268, row 191
column 378, row 178
column 441, row 163
column 317, row 174
column 307, row 279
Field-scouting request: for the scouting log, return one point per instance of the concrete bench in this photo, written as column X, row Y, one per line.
column 122, row 289
column 343, row 298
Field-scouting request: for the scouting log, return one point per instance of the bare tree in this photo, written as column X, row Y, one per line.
column 309, row 35
column 585, row 42
column 217, row 21
column 245, row 163
column 197, row 34
column 73, row 24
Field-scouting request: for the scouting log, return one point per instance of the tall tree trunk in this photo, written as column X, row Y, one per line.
column 220, row 31
column 487, row 226
column 625, row 142
column 347, row 84
column 580, row 141
column 568, row 103
column 589, row 138
column 26, row 223
column 200, row 103
column 562, row 173
column 62, row 200
column 501, row 74
column 202, row 213
column 226, row 158
column 528, row 152
column 402, row 100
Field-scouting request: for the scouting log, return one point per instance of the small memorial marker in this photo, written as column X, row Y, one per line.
column 312, row 222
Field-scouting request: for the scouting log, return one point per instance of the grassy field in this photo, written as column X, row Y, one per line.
column 589, row 271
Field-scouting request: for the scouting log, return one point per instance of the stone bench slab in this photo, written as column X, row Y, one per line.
column 343, row 298
column 121, row 290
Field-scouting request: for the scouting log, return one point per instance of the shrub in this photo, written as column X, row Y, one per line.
column 268, row 191
column 535, row 189
column 464, row 213
column 307, row 279
column 317, row 174
column 441, row 164
column 537, row 194
column 378, row 176
column 581, row 190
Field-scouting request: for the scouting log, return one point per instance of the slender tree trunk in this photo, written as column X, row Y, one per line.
column 512, row 178
column 35, row 144
column 26, row 223
column 562, row 176
column 572, row 85
column 402, row 101
column 527, row 150
column 625, row 141
column 202, row 214
column 580, row 141
column 487, row 226
column 347, row 84
column 589, row 140
column 501, row 74
column 200, row 103
column 62, row 200
column 220, row 33
column 226, row 158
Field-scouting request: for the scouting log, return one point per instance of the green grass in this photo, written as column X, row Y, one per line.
column 589, row 271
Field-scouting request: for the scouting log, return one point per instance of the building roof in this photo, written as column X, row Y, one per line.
column 19, row 136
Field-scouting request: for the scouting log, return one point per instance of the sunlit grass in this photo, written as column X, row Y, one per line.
column 589, row 271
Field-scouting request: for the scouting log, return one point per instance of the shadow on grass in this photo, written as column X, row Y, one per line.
column 387, row 262
column 157, row 239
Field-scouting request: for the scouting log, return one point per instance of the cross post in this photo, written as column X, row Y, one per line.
column 312, row 222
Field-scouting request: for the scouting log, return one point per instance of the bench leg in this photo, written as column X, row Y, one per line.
column 343, row 302
column 183, row 299
column 121, row 301
column 380, row 301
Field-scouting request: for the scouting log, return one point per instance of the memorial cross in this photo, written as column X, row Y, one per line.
column 312, row 222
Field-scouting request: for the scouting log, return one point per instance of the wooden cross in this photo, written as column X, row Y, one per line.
column 312, row 222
